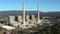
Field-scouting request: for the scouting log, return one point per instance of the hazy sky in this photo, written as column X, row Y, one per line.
column 45, row 5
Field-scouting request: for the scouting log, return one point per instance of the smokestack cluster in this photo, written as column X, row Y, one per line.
column 12, row 18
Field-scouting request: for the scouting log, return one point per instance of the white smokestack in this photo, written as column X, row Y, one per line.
column 38, row 9
column 24, row 14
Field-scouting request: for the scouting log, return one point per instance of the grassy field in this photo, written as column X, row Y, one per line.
column 2, row 30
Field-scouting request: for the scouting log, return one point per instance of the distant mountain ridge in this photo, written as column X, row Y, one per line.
column 18, row 12
column 57, row 12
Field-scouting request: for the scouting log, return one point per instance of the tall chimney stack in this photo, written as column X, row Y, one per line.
column 38, row 9
column 24, row 14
